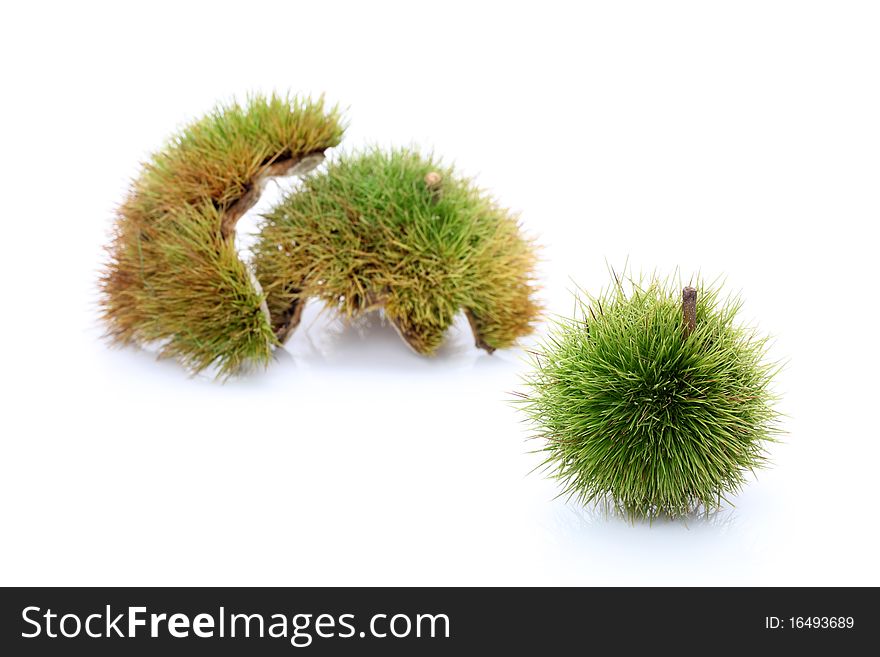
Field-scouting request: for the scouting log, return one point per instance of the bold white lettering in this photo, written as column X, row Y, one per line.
column 325, row 620
column 155, row 619
column 24, row 616
column 134, row 621
column 178, row 626
column 408, row 625
column 373, row 626
column 203, row 626
column 433, row 618
column 280, row 624
column 113, row 626
column 298, row 627
column 49, row 616
column 247, row 623
column 78, row 625
column 344, row 623
column 89, row 626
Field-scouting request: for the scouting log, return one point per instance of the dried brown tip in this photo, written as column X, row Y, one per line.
column 479, row 342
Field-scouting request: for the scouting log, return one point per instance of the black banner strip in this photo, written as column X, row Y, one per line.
column 430, row 621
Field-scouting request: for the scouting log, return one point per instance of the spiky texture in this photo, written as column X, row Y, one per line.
column 173, row 275
column 398, row 230
column 634, row 411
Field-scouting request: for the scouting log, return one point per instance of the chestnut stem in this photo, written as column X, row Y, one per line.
column 689, row 309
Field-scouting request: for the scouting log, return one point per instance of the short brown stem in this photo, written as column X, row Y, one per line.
column 689, row 309
column 434, row 182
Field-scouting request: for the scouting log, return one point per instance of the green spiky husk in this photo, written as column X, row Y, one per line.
column 369, row 232
column 173, row 276
column 635, row 413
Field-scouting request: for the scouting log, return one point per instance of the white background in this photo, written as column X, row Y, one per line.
column 732, row 138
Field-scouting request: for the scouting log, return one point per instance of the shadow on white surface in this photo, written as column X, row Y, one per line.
column 595, row 545
column 325, row 341
column 586, row 518
column 371, row 343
